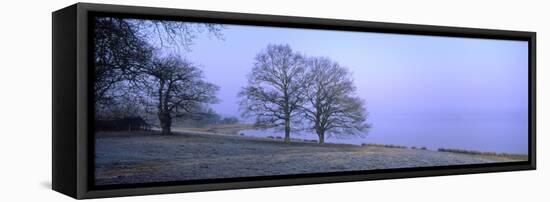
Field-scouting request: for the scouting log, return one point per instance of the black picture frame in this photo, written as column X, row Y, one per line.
column 72, row 127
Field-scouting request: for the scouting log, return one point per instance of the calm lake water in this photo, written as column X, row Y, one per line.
column 494, row 133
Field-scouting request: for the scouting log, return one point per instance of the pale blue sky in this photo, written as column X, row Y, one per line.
column 402, row 78
column 391, row 71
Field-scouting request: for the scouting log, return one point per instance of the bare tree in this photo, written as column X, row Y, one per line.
column 118, row 53
column 175, row 34
column 331, row 104
column 274, row 89
column 124, row 46
column 178, row 89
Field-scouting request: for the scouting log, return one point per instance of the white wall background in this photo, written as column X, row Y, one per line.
column 25, row 106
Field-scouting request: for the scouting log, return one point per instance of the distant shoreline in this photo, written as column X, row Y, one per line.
column 234, row 129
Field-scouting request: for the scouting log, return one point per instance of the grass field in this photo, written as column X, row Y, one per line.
column 142, row 157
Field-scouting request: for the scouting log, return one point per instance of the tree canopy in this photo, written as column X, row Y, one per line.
column 178, row 89
column 274, row 91
column 331, row 104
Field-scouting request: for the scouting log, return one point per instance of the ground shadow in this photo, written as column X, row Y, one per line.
column 46, row 184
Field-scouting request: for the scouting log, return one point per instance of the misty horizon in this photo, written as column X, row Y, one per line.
column 399, row 76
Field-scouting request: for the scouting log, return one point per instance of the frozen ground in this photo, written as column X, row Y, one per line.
column 142, row 157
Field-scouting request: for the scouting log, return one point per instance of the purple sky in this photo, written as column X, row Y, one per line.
column 406, row 78
column 391, row 71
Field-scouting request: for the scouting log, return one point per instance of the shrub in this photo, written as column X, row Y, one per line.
column 384, row 145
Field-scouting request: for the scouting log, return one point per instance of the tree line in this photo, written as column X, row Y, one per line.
column 286, row 88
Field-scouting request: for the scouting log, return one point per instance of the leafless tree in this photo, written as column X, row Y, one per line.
column 175, row 34
column 331, row 104
column 118, row 53
column 178, row 89
column 123, row 46
column 274, row 90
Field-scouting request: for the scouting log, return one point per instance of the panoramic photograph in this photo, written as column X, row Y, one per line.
column 179, row 101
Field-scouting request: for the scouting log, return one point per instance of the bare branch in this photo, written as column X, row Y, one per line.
column 331, row 105
column 273, row 93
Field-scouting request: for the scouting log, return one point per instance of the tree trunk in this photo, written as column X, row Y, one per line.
column 165, row 123
column 287, row 131
column 321, row 134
